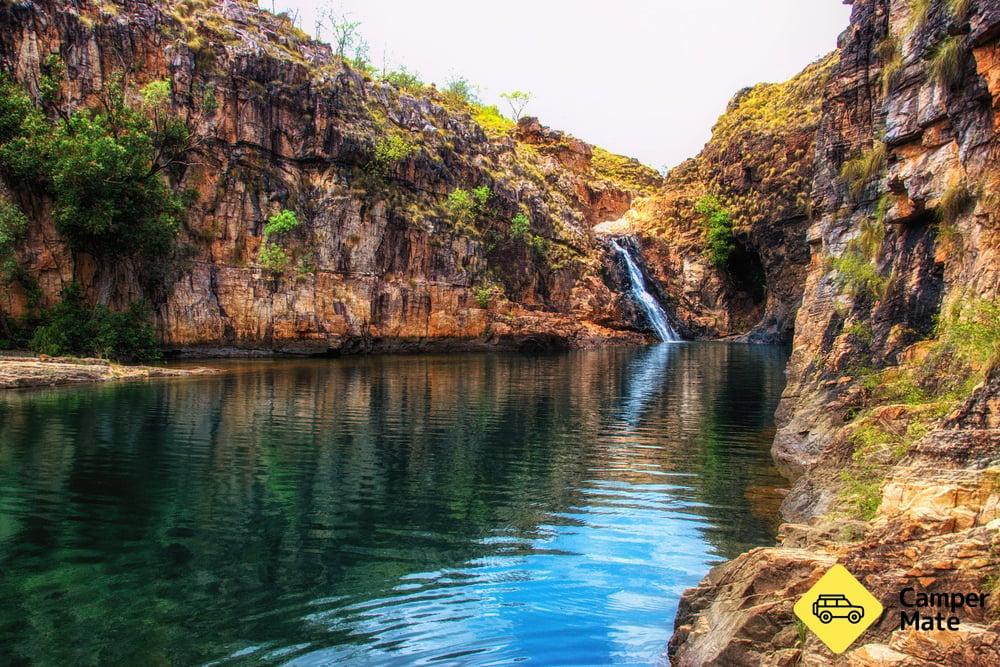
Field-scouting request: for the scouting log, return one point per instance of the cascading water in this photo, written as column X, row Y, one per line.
column 654, row 311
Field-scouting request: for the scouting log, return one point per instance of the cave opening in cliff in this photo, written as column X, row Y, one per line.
column 748, row 281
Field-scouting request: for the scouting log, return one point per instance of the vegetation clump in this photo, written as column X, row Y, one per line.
column 890, row 52
column 460, row 90
column 717, row 222
column 860, row 170
column 486, row 292
column 920, row 11
column 517, row 100
column 389, row 151
column 70, row 328
column 12, row 227
column 966, row 343
column 520, row 226
column 104, row 168
column 960, row 8
column 466, row 206
column 626, row 172
column 281, row 223
column 273, row 257
column 945, row 66
column 494, row 123
column 403, row 79
column 955, row 200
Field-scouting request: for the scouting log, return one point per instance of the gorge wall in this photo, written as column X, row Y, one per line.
column 759, row 166
column 381, row 260
column 890, row 418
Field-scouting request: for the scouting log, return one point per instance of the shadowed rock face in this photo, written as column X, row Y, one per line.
column 379, row 262
column 936, row 525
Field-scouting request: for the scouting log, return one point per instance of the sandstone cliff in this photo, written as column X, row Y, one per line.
column 890, row 416
column 759, row 163
column 380, row 262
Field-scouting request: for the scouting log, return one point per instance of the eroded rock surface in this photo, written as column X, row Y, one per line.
column 903, row 236
column 379, row 263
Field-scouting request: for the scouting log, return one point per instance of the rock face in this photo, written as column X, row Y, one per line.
column 759, row 163
column 897, row 480
column 379, row 262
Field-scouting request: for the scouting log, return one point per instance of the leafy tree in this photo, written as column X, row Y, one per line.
column 461, row 91
column 102, row 167
column 281, row 223
column 517, row 100
column 482, row 195
column 718, row 228
column 345, row 36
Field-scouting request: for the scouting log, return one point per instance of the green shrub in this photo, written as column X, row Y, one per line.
column 945, row 66
column 273, row 258
column 281, row 223
column 12, row 227
column 482, row 196
column 858, row 274
column 403, row 79
column 520, row 226
column 125, row 336
column 486, row 292
column 465, row 205
column 494, row 123
column 460, row 91
column 860, row 170
column 461, row 204
column 388, row 151
column 970, row 330
column 540, row 246
column 50, row 82
column 861, row 332
column 718, row 230
column 209, row 103
column 71, row 329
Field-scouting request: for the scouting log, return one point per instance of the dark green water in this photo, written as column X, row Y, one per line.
column 466, row 509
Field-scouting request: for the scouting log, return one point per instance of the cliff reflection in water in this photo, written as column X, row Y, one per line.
column 492, row 507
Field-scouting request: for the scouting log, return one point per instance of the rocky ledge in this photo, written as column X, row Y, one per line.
column 23, row 372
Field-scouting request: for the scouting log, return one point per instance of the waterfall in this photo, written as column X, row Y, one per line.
column 654, row 311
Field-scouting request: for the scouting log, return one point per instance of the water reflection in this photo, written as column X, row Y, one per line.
column 468, row 508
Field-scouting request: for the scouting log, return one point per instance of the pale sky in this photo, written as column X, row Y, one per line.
column 645, row 78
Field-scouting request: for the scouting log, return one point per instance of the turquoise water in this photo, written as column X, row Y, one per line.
column 463, row 509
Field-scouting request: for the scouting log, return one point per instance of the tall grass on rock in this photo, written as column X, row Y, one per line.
column 945, row 66
column 862, row 169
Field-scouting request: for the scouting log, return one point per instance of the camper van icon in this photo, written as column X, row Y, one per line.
column 828, row 607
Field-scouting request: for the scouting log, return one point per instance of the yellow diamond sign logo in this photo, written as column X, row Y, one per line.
column 838, row 609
